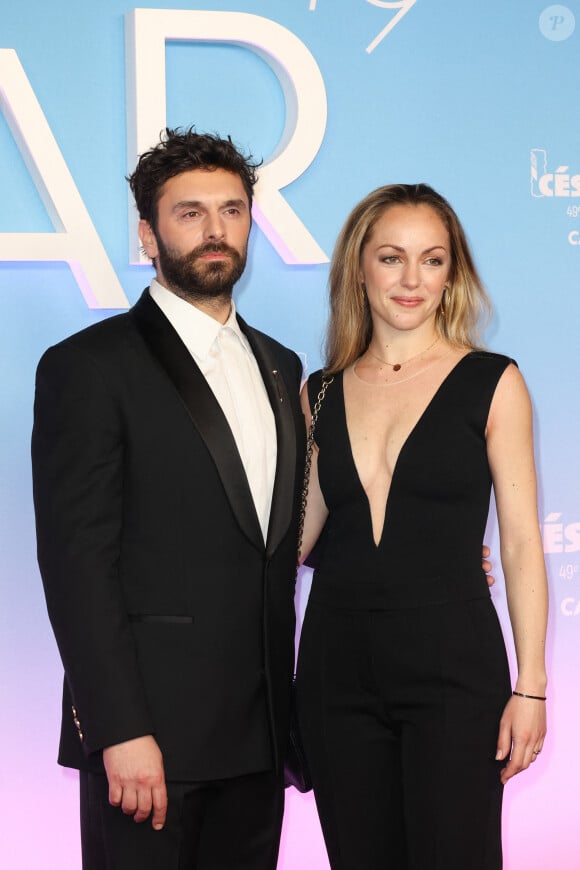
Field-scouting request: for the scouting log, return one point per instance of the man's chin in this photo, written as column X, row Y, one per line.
column 207, row 289
column 197, row 278
column 216, row 267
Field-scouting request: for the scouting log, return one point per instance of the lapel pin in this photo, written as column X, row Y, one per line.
column 275, row 373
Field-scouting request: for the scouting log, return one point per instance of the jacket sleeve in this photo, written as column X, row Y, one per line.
column 77, row 460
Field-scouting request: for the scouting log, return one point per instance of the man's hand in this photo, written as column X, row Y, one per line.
column 137, row 780
column 486, row 565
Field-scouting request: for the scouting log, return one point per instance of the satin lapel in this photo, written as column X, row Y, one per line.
column 203, row 408
column 283, row 495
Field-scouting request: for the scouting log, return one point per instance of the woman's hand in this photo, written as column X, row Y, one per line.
column 521, row 730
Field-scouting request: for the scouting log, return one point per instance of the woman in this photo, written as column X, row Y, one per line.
column 404, row 693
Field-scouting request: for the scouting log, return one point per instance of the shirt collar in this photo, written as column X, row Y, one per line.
column 197, row 330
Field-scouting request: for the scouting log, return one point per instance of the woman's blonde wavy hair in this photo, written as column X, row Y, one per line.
column 465, row 307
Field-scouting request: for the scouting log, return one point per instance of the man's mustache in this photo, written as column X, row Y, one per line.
column 213, row 248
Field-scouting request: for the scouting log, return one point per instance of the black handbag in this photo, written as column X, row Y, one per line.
column 296, row 770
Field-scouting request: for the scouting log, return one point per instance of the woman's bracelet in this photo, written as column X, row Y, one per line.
column 533, row 697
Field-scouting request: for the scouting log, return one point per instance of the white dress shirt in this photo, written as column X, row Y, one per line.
column 225, row 358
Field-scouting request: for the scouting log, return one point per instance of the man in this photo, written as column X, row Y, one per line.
column 168, row 452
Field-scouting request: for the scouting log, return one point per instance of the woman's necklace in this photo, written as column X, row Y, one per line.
column 395, row 383
column 397, row 366
column 401, row 380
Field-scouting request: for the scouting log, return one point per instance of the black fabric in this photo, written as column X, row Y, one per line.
column 402, row 671
column 224, row 825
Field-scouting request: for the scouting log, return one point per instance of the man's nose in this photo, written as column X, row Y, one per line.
column 213, row 229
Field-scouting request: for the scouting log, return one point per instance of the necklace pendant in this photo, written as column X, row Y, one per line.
column 396, row 367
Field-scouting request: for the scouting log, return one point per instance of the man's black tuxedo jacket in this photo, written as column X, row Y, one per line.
column 171, row 615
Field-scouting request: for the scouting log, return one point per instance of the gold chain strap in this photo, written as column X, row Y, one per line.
column 308, row 460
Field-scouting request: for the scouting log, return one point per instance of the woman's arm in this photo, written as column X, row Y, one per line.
column 316, row 510
column 511, row 457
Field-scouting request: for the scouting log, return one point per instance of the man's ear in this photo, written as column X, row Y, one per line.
column 148, row 240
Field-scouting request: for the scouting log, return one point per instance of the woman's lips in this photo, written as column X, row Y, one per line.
column 407, row 301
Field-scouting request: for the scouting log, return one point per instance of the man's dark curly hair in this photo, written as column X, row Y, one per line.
column 180, row 151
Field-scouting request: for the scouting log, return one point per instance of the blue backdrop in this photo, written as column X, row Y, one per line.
column 477, row 99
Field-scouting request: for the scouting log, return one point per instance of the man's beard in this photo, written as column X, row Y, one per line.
column 193, row 280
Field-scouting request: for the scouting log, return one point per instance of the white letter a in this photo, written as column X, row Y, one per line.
column 75, row 241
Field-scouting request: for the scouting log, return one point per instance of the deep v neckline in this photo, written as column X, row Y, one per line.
column 404, row 447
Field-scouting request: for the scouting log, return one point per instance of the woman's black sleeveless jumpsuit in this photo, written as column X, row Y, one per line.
column 402, row 672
